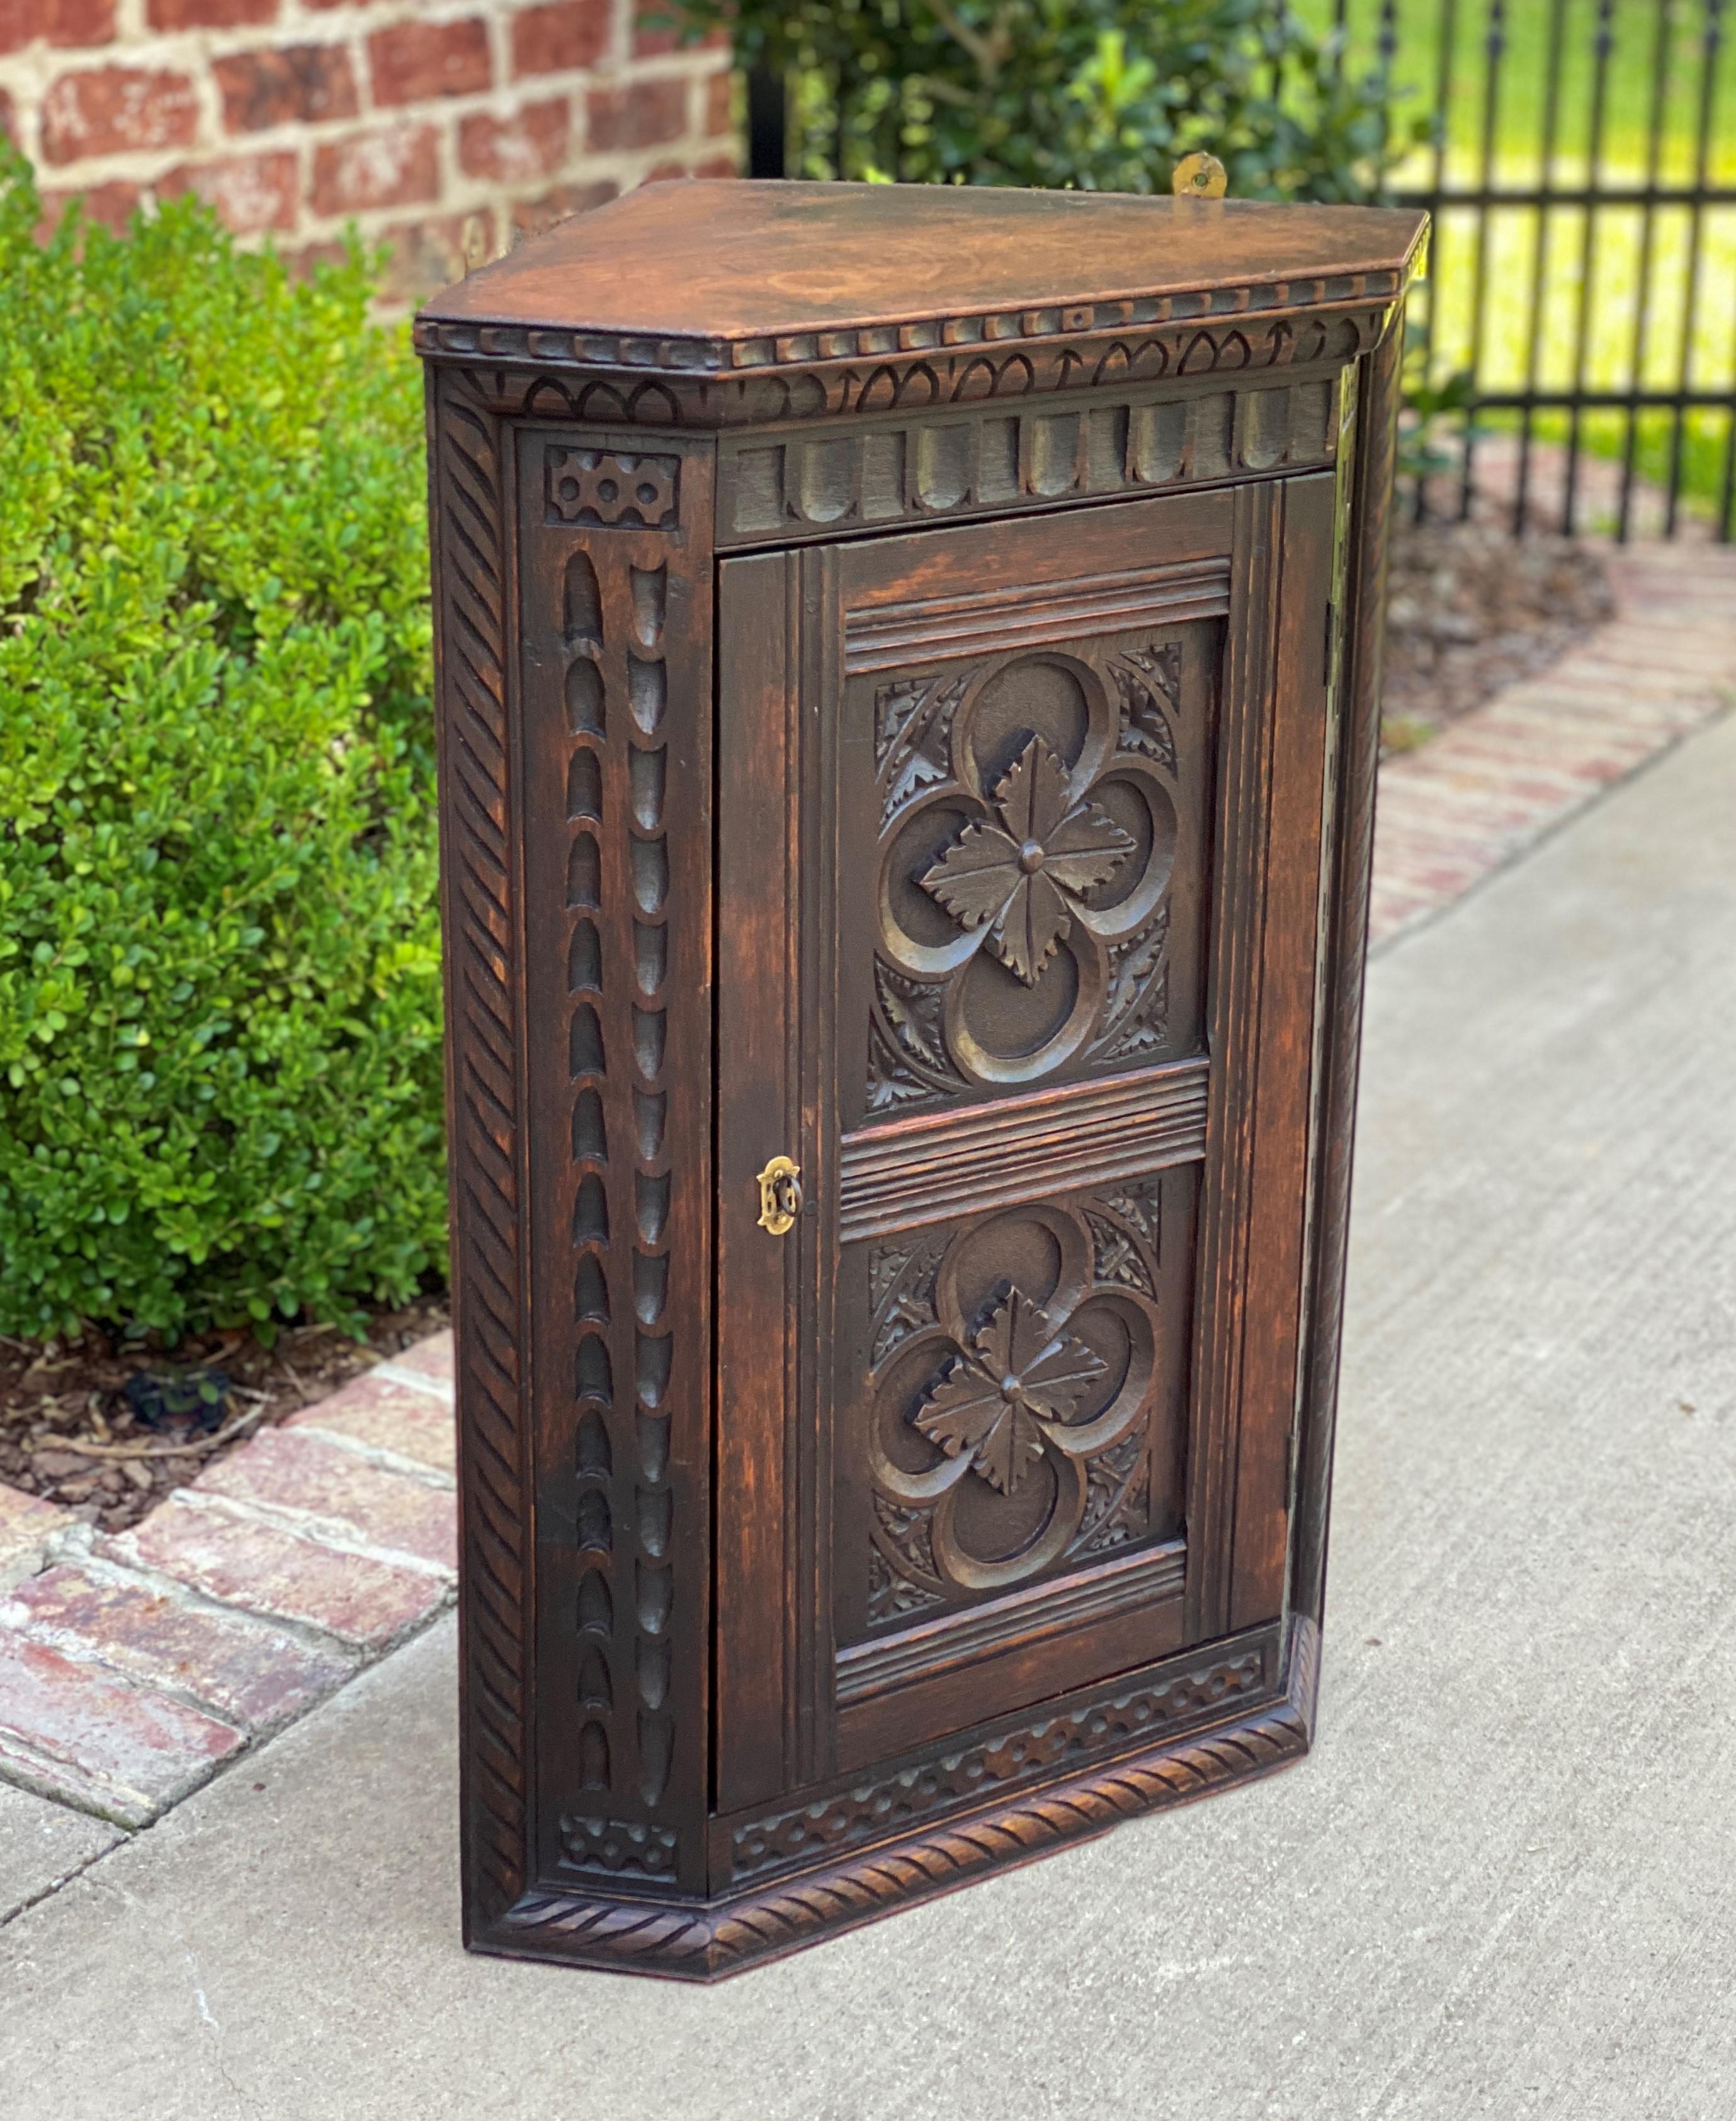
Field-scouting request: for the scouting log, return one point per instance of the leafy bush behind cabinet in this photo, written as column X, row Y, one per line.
column 1106, row 94
column 220, row 1047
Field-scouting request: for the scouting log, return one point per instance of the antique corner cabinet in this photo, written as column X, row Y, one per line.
column 907, row 675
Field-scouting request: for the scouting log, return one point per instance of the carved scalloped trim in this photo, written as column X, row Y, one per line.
column 702, row 1942
column 535, row 373
column 696, row 355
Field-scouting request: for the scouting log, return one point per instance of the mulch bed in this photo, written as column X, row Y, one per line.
column 1469, row 609
column 107, row 1433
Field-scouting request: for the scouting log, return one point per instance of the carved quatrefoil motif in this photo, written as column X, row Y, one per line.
column 1030, row 822
column 1021, row 877
column 1010, row 1401
column 1010, row 1392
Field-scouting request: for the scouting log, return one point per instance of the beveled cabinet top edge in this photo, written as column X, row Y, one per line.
column 715, row 277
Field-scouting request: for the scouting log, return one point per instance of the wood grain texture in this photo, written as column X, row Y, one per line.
column 1370, row 474
column 979, row 1481
column 1123, row 711
column 945, row 1694
column 481, row 898
column 1270, row 1287
column 981, row 623
column 931, row 1167
column 753, row 273
column 1244, row 799
column 1154, row 1575
column 738, row 1932
column 1011, row 1755
column 758, row 1323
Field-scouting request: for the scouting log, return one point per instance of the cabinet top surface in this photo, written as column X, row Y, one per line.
column 728, row 259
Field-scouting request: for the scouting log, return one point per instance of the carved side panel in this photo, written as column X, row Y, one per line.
column 616, row 609
column 1039, row 854
column 1368, row 469
column 481, row 910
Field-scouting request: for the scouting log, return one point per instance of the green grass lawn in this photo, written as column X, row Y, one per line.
column 1543, row 274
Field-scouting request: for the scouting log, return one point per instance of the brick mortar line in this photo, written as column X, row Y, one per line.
column 352, row 27
column 35, row 69
column 625, row 169
column 380, row 1456
column 1473, row 784
column 17, row 1755
column 142, row 164
column 70, row 1551
column 145, row 166
column 1545, row 707
column 335, row 1535
column 174, row 1648
column 31, row 71
column 253, row 1738
column 1546, row 749
column 418, row 1380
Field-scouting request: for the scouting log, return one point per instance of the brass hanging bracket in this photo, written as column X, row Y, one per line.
column 1199, row 176
column 780, row 1195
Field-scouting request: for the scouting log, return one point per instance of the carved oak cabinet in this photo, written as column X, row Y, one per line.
column 907, row 680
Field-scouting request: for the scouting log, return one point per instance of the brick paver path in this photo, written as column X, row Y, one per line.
column 132, row 1667
column 1494, row 783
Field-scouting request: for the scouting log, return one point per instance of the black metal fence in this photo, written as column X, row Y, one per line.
column 1577, row 332
column 1582, row 176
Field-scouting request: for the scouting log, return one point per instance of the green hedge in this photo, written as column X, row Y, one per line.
column 220, row 1061
column 1107, row 94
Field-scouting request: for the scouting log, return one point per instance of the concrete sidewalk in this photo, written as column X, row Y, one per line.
column 1505, row 1884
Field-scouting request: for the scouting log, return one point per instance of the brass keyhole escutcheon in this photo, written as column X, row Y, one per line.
column 780, row 1195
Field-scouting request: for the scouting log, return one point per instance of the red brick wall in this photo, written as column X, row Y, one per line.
column 448, row 124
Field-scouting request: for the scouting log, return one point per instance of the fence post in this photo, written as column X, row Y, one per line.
column 768, row 120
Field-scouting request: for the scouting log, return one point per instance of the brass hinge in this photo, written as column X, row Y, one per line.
column 780, row 1195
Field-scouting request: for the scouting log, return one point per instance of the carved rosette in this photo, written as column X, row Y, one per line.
column 1029, row 811
column 1010, row 1403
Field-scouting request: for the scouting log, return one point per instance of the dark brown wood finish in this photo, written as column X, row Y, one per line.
column 615, row 727
column 807, row 1571
column 1366, row 508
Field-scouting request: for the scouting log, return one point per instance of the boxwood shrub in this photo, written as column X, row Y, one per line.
column 219, row 1063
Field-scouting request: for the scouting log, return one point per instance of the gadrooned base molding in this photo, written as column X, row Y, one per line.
column 710, row 1940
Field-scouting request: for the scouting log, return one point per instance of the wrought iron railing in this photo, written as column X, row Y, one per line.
column 1582, row 179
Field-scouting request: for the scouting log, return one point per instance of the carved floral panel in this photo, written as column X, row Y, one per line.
column 1040, row 815
column 1019, row 1364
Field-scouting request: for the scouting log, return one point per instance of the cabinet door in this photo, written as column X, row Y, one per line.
column 1020, row 829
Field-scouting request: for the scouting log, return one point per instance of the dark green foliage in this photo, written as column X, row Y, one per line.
column 220, row 1064
column 1106, row 94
